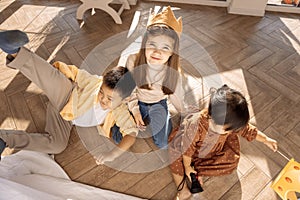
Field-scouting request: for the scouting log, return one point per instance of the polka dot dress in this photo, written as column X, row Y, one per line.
column 212, row 154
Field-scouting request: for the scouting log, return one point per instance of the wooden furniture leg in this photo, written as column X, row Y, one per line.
column 103, row 5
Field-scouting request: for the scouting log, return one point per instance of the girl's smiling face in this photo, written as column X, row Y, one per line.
column 159, row 49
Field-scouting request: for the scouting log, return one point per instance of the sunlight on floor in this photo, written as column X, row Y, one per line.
column 5, row 5
column 291, row 31
column 22, row 19
column 62, row 42
column 293, row 41
column 7, row 122
column 233, row 78
column 25, row 123
column 134, row 23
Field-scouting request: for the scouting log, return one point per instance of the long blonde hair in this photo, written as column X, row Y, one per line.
column 173, row 69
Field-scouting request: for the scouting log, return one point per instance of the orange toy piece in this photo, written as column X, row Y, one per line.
column 294, row 2
column 287, row 182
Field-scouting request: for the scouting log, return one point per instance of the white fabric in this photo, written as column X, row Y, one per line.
column 33, row 175
column 92, row 117
column 14, row 190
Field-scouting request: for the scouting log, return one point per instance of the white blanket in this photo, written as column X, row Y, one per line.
column 34, row 175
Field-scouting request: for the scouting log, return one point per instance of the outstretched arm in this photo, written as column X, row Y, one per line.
column 250, row 133
column 124, row 145
column 271, row 143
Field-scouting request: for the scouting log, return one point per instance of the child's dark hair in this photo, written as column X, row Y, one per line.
column 170, row 80
column 120, row 80
column 228, row 107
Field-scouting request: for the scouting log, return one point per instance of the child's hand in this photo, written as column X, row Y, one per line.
column 104, row 157
column 188, row 171
column 139, row 121
column 271, row 143
column 200, row 179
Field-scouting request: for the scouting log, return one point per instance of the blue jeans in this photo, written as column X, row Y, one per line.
column 157, row 117
column 116, row 134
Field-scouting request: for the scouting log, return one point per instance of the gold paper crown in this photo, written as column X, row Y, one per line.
column 168, row 18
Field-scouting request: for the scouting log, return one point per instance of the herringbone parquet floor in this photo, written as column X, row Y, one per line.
column 258, row 55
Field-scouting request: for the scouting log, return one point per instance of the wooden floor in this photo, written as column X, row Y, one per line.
column 257, row 55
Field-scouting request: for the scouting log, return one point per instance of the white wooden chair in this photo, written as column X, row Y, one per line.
column 103, row 5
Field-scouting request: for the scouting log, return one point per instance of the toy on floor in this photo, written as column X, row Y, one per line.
column 287, row 182
column 292, row 2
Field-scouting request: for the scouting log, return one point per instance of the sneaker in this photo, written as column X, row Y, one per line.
column 2, row 146
column 11, row 41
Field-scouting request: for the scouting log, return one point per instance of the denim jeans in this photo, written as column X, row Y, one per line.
column 157, row 117
column 116, row 134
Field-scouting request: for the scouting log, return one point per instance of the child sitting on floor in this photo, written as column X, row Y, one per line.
column 157, row 72
column 207, row 142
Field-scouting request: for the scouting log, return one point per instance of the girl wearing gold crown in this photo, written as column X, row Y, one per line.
column 156, row 70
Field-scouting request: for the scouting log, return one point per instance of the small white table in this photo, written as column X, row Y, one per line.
column 103, row 5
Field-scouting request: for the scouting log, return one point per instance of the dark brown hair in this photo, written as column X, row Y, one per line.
column 228, row 107
column 120, row 80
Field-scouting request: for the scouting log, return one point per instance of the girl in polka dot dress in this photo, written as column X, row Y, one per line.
column 207, row 142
